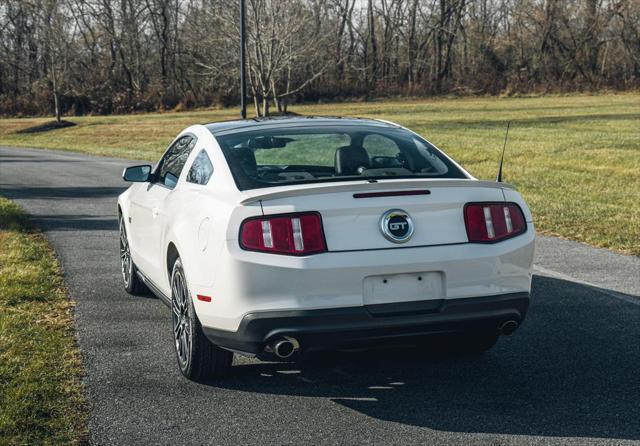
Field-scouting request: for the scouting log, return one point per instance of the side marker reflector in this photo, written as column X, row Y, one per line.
column 204, row 298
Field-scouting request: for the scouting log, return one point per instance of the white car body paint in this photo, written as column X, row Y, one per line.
column 203, row 223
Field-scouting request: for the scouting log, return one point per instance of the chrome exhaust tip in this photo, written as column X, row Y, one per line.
column 285, row 348
column 508, row 327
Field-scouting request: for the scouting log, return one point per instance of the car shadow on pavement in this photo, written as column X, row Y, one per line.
column 571, row 370
column 76, row 222
column 65, row 221
column 56, row 193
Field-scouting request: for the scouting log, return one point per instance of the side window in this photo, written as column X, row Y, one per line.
column 173, row 161
column 201, row 169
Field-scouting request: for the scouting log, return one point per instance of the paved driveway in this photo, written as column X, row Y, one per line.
column 571, row 374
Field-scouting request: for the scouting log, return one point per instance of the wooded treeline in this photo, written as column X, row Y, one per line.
column 118, row 56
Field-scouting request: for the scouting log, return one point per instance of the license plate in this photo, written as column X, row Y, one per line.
column 407, row 287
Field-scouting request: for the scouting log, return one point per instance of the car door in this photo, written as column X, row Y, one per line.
column 149, row 212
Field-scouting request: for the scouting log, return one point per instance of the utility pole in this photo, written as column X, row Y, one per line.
column 243, row 80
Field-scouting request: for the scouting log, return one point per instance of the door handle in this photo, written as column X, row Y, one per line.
column 155, row 212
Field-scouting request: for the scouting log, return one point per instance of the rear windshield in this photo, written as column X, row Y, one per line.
column 282, row 156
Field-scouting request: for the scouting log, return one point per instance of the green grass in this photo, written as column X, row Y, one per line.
column 576, row 159
column 41, row 398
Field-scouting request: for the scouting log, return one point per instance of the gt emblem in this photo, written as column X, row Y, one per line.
column 396, row 226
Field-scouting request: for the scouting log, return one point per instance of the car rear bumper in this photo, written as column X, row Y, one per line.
column 250, row 283
column 372, row 325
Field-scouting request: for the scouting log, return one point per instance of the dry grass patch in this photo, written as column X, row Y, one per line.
column 575, row 158
column 41, row 399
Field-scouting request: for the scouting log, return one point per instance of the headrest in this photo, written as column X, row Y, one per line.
column 246, row 159
column 350, row 159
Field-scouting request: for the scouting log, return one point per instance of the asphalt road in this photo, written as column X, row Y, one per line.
column 571, row 374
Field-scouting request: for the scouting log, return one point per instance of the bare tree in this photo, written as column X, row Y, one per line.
column 55, row 51
column 284, row 41
column 118, row 56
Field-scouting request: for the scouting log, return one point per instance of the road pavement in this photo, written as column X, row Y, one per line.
column 570, row 375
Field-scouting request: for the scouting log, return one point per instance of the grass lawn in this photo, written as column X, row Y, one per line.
column 41, row 398
column 576, row 159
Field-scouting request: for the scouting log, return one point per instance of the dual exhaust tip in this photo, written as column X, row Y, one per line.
column 285, row 348
column 508, row 327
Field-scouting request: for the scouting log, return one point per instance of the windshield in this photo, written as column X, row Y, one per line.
column 282, row 156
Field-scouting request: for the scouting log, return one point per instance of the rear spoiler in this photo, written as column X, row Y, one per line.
column 274, row 193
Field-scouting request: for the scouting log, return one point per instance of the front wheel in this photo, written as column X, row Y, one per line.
column 132, row 283
column 198, row 359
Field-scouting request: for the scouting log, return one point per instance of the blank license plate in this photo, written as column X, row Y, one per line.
column 403, row 287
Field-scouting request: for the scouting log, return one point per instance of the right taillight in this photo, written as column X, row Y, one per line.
column 291, row 234
column 492, row 222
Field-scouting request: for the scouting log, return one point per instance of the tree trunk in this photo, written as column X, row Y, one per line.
column 256, row 106
column 54, row 87
column 591, row 36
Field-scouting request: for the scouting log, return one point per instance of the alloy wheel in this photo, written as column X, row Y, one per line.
column 181, row 320
column 125, row 255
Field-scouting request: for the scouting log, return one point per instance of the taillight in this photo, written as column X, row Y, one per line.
column 492, row 222
column 291, row 234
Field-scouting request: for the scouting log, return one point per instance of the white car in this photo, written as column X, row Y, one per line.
column 272, row 236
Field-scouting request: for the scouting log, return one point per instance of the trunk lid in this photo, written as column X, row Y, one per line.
column 435, row 207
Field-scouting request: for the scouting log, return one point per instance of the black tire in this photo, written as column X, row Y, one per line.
column 132, row 283
column 198, row 359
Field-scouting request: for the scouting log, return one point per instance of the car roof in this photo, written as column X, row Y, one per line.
column 218, row 128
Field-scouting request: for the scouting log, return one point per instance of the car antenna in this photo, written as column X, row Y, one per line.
column 506, row 135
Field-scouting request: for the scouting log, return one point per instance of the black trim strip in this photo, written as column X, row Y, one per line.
column 154, row 289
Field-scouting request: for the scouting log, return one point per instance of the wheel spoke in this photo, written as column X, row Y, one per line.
column 180, row 289
column 187, row 338
column 183, row 303
column 179, row 348
column 184, row 295
column 174, row 289
column 183, row 344
column 177, row 290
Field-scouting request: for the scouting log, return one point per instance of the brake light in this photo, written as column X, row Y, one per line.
column 291, row 234
column 492, row 222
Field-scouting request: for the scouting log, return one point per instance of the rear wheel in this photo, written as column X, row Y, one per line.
column 198, row 359
column 132, row 283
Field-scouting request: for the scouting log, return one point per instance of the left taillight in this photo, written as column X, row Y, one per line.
column 290, row 234
column 493, row 222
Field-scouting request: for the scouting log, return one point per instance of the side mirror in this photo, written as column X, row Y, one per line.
column 137, row 174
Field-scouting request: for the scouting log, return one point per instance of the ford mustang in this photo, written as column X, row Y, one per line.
column 276, row 237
